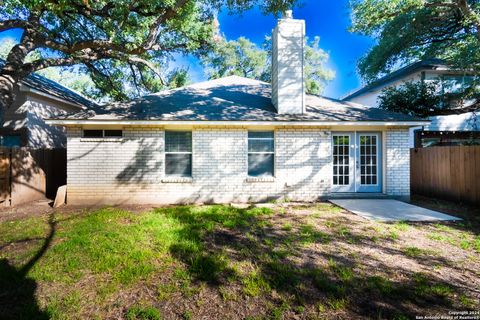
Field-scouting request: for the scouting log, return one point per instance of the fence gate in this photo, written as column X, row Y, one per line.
column 30, row 174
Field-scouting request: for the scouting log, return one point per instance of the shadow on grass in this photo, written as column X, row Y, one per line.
column 214, row 238
column 469, row 213
column 198, row 222
column 17, row 291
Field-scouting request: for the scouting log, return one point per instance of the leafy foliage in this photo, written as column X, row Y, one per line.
column 124, row 45
column 316, row 74
column 429, row 98
column 409, row 30
column 414, row 98
column 244, row 58
column 236, row 57
column 5, row 46
column 178, row 78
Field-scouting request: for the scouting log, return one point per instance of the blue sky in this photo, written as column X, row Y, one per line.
column 327, row 19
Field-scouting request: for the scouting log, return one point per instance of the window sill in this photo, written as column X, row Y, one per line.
column 101, row 139
column 177, row 180
column 260, row 179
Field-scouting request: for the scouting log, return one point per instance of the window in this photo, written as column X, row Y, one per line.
column 456, row 83
column 178, row 153
column 102, row 133
column 10, row 141
column 112, row 133
column 261, row 154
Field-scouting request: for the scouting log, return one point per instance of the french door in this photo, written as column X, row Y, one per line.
column 357, row 162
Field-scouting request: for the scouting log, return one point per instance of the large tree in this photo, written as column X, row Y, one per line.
column 115, row 41
column 70, row 77
column 76, row 77
column 409, row 30
column 244, row 58
column 236, row 57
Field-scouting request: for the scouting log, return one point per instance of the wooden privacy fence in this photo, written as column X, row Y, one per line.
column 451, row 173
column 31, row 174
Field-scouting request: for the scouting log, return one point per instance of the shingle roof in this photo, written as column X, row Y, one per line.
column 40, row 83
column 400, row 73
column 232, row 99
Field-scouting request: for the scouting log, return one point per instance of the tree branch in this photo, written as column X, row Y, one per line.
column 148, row 64
column 46, row 63
column 134, row 76
column 465, row 109
column 155, row 27
column 12, row 24
column 470, row 14
column 57, row 62
column 107, row 81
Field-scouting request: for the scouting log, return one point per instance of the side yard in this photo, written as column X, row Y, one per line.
column 291, row 261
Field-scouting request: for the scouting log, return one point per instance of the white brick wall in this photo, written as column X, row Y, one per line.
column 398, row 162
column 131, row 170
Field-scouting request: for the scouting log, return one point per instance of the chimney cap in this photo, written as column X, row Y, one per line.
column 288, row 14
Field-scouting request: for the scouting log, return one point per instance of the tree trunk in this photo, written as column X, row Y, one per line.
column 8, row 89
column 13, row 71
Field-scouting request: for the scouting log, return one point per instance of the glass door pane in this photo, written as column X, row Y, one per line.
column 342, row 163
column 368, row 159
column 368, row 162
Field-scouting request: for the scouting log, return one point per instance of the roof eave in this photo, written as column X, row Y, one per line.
column 72, row 122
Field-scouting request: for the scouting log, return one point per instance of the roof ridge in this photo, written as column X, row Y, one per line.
column 199, row 84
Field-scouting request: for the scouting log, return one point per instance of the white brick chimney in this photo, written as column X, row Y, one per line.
column 288, row 89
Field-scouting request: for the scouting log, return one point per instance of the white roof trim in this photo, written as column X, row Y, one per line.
column 237, row 123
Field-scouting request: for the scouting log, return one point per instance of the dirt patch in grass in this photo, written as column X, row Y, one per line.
column 290, row 261
column 27, row 210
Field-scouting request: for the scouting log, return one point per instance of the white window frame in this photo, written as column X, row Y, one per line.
column 177, row 152
column 265, row 152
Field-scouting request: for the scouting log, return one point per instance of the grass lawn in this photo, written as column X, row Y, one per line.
column 310, row 261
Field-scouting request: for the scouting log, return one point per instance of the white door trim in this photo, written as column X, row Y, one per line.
column 354, row 177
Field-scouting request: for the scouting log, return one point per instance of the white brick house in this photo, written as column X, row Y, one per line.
column 226, row 141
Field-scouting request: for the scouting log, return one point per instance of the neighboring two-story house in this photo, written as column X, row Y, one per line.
column 23, row 123
column 443, row 130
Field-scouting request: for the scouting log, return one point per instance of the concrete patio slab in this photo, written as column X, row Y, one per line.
column 391, row 210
